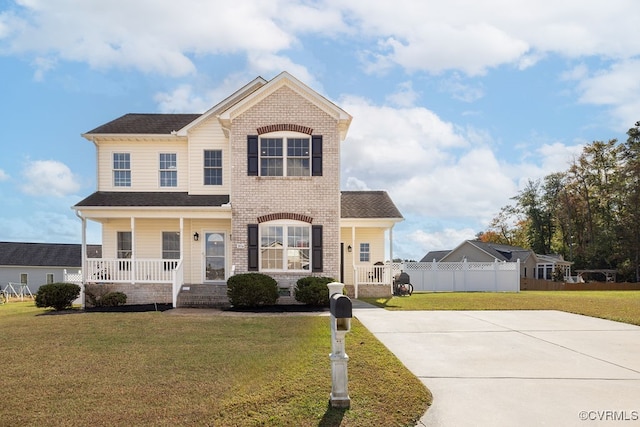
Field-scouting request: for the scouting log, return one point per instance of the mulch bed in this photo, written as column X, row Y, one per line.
column 279, row 308
column 131, row 308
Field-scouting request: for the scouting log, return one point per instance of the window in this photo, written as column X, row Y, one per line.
column 121, row 170
column 124, row 244
column 285, row 246
column 49, row 278
column 170, row 248
column 212, row 167
column 365, row 255
column 168, row 170
column 287, row 155
column 24, row 278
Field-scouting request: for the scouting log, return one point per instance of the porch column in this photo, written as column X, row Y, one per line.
column 391, row 243
column 133, row 250
column 353, row 262
column 181, row 237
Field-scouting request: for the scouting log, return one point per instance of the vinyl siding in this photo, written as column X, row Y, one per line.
column 145, row 161
column 208, row 136
column 376, row 239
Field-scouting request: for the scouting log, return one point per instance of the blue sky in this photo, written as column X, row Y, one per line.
column 456, row 104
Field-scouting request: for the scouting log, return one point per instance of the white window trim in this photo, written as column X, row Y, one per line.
column 285, row 224
column 285, row 136
column 114, row 169
column 170, row 169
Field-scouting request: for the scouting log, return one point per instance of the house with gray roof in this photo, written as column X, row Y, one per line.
column 251, row 185
column 532, row 265
column 37, row 264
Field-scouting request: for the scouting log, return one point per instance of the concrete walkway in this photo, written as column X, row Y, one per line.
column 508, row 368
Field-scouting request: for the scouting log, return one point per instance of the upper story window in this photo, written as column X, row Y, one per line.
column 168, row 170
column 284, row 154
column 121, row 170
column 365, row 253
column 284, row 157
column 212, row 167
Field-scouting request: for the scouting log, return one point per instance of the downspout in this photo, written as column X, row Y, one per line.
column 83, row 256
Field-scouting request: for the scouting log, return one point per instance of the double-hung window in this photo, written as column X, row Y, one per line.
column 285, row 156
column 121, row 170
column 212, row 167
column 124, row 249
column 168, row 170
column 365, row 253
column 285, row 246
column 170, row 249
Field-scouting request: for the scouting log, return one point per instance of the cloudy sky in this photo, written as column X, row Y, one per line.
column 456, row 104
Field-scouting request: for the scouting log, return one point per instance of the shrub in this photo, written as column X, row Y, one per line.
column 313, row 290
column 57, row 295
column 113, row 299
column 252, row 290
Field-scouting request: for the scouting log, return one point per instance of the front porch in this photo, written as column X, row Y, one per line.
column 162, row 281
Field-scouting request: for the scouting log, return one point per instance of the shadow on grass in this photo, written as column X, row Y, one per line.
column 332, row 417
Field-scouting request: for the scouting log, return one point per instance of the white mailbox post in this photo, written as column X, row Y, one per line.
column 341, row 314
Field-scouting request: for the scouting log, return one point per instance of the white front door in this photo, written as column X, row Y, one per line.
column 214, row 257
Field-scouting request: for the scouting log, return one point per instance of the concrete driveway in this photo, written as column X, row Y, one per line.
column 524, row 368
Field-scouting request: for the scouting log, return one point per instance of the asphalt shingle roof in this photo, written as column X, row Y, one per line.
column 146, row 124
column 151, row 199
column 368, row 204
column 45, row 254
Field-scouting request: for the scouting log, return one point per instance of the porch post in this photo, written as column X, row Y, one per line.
column 133, row 250
column 83, row 260
column 353, row 262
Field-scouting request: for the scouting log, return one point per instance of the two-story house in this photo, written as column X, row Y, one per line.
column 253, row 184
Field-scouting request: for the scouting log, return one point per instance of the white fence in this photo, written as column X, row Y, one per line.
column 462, row 276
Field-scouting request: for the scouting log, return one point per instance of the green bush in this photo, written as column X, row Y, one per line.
column 252, row 290
column 113, row 299
column 57, row 295
column 313, row 290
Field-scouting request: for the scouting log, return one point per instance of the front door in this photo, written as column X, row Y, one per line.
column 214, row 257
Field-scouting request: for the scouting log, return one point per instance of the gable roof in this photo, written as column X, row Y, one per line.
column 368, row 204
column 500, row 252
column 145, row 124
column 286, row 79
column 151, row 199
column 437, row 255
column 45, row 254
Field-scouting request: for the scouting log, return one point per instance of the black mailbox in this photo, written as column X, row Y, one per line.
column 340, row 306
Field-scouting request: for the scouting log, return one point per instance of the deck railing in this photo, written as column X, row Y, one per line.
column 119, row 270
column 380, row 275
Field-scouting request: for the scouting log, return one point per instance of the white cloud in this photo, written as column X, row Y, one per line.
column 445, row 239
column 617, row 87
column 3, row 175
column 49, row 178
column 405, row 96
column 182, row 99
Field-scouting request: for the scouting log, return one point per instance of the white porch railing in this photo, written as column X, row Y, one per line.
column 105, row 270
column 380, row 275
column 178, row 279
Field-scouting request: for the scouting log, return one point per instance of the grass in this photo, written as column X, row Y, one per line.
column 621, row 306
column 156, row 369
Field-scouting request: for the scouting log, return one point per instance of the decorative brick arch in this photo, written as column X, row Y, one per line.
column 285, row 215
column 284, row 127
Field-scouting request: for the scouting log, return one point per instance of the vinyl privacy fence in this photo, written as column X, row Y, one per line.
column 462, row 276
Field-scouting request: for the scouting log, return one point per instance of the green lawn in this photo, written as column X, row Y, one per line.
column 156, row 369
column 621, row 306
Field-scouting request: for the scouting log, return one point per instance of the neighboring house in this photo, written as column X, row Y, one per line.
column 434, row 255
column 532, row 265
column 37, row 264
column 251, row 185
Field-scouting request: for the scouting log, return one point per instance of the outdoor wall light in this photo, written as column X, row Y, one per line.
column 196, row 236
column 349, row 248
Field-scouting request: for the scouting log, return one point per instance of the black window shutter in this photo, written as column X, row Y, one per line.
column 252, row 240
column 316, row 155
column 252, row 155
column 316, row 248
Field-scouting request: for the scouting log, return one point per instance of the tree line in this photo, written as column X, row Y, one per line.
column 590, row 213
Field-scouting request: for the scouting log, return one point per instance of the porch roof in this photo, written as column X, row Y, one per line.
column 151, row 199
column 368, row 204
column 44, row 254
